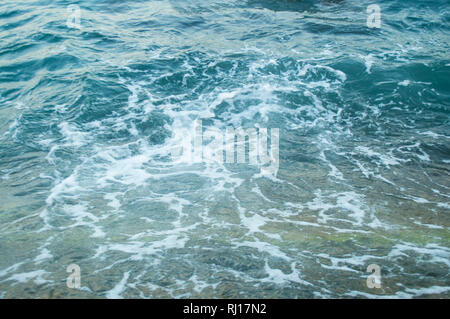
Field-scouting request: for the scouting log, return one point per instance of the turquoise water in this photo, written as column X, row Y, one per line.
column 90, row 113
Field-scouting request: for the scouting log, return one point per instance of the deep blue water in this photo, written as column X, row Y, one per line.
column 91, row 112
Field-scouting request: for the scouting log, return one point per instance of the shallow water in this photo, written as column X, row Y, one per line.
column 89, row 118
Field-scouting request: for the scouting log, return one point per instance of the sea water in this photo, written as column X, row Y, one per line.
column 95, row 96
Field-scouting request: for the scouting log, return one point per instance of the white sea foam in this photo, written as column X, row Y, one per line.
column 44, row 255
column 37, row 276
column 368, row 62
column 279, row 277
column 435, row 253
column 116, row 292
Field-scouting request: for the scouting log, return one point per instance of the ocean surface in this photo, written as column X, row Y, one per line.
column 93, row 103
